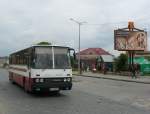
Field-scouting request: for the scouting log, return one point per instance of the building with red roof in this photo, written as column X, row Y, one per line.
column 90, row 57
column 92, row 53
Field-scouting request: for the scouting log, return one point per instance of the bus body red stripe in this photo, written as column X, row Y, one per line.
column 22, row 81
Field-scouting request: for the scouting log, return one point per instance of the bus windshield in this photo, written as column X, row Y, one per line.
column 61, row 58
column 43, row 58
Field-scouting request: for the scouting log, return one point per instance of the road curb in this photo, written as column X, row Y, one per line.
column 113, row 79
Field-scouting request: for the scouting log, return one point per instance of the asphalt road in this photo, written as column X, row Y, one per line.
column 88, row 96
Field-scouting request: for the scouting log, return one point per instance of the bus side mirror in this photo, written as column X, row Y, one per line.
column 74, row 55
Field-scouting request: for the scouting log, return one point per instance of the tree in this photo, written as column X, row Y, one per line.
column 147, row 57
column 44, row 43
column 74, row 62
column 121, row 63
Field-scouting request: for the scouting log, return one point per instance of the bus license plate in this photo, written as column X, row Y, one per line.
column 53, row 89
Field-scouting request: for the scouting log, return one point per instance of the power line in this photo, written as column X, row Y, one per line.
column 96, row 24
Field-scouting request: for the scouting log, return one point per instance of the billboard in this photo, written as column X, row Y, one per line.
column 130, row 40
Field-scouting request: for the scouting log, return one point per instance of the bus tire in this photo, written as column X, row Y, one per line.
column 26, row 90
column 12, row 81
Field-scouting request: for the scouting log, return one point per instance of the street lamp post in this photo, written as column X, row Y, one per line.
column 79, row 23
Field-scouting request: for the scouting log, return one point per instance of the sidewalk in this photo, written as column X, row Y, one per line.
column 140, row 79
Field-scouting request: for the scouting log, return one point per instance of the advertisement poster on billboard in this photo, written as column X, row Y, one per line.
column 130, row 40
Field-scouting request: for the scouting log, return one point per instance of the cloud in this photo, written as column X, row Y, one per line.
column 26, row 22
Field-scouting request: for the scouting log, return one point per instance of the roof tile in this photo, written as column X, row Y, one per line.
column 94, row 51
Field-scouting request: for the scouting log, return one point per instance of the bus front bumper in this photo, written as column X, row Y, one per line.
column 52, row 85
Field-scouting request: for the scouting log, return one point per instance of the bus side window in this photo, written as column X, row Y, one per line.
column 28, row 61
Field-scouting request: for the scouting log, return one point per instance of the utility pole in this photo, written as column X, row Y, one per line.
column 79, row 24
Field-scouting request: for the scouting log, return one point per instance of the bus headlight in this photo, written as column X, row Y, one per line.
column 65, row 79
column 68, row 79
column 41, row 80
column 37, row 80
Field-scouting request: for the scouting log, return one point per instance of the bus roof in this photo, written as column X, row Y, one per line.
column 40, row 46
column 49, row 46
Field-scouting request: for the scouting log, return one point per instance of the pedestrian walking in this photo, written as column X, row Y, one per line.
column 137, row 69
column 104, row 68
column 134, row 71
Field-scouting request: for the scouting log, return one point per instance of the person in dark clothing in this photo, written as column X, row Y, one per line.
column 137, row 69
column 104, row 68
column 134, row 69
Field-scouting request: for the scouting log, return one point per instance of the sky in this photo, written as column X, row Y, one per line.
column 27, row 22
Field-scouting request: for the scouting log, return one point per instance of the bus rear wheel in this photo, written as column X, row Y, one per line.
column 11, row 81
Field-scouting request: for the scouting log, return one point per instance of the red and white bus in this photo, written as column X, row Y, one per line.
column 42, row 68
